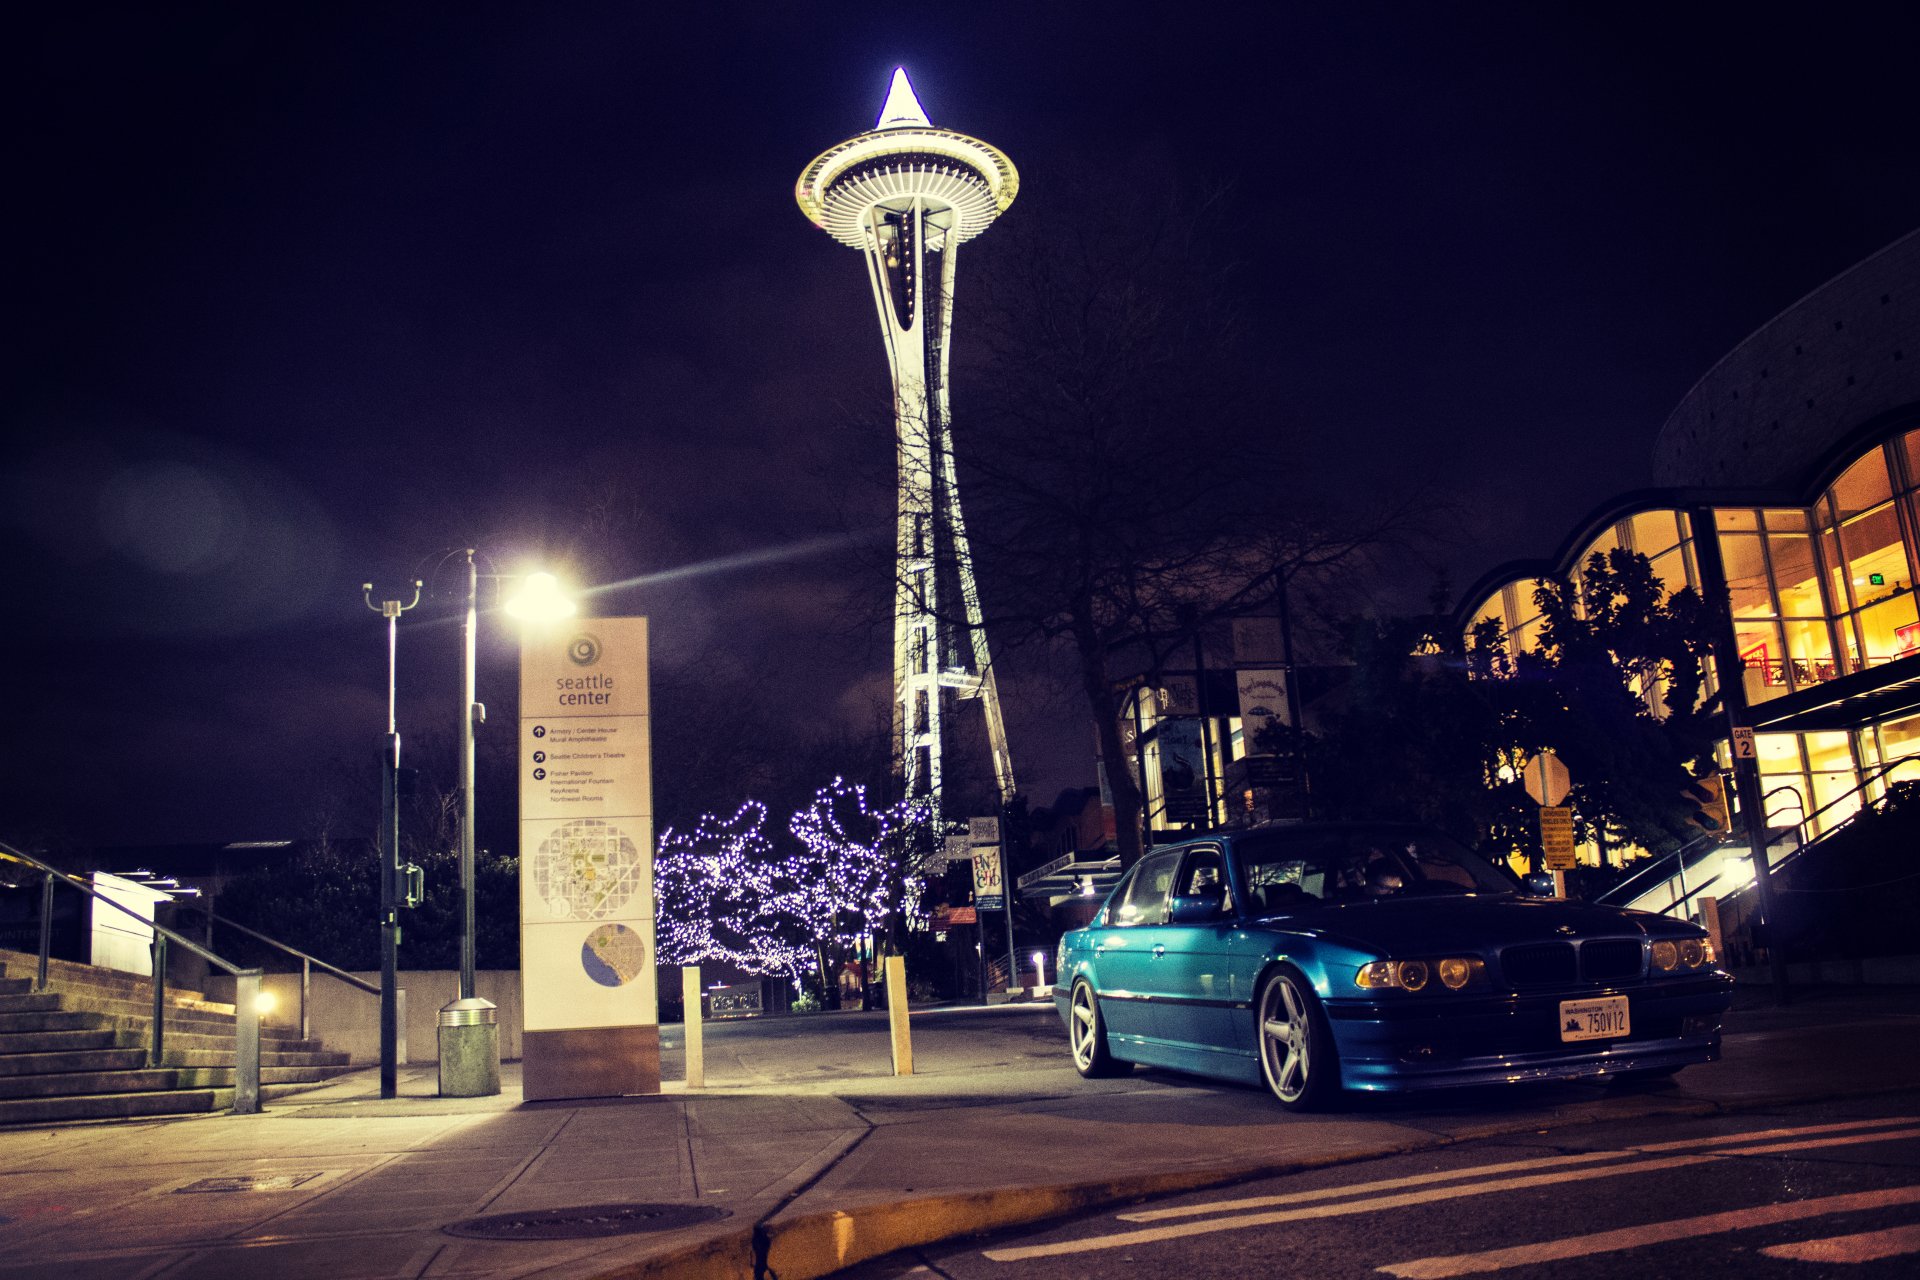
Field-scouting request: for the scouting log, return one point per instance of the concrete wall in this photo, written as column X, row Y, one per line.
column 348, row 1019
column 1841, row 356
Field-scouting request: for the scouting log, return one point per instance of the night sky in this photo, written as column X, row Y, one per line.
column 306, row 295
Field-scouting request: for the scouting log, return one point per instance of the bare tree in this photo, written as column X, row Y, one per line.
column 1125, row 471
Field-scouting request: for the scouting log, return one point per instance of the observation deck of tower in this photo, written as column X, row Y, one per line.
column 908, row 196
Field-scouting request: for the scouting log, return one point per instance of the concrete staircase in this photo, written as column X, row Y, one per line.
column 78, row 1050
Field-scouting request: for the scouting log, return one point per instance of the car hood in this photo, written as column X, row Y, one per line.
column 1417, row 926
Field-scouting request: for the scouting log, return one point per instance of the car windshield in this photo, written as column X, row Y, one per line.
column 1287, row 869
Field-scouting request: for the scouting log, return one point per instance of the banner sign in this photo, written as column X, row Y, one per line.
column 1263, row 700
column 989, row 891
column 586, row 828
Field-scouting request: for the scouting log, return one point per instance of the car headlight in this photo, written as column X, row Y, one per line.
column 1454, row 973
column 1683, row 953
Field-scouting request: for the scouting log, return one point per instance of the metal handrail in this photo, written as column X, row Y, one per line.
column 1657, row 870
column 1799, row 830
column 307, row 963
column 246, row 999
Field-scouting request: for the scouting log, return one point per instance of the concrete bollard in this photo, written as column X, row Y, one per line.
column 897, row 1015
column 696, row 1046
column 469, row 1049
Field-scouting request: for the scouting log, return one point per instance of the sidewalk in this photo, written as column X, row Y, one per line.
column 811, row 1151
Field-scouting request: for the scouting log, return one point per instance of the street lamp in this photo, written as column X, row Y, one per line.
column 538, row 598
column 390, row 871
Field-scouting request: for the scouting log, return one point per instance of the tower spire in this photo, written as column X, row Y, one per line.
column 902, row 109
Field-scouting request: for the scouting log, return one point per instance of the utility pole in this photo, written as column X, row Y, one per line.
column 390, row 850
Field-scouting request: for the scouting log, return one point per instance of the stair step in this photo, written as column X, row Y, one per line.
column 222, row 1077
column 27, row 1064
column 113, row 1106
column 56, row 1020
column 29, row 1002
column 15, row 986
column 57, row 1041
column 76, row 1083
column 15, row 964
column 268, row 1058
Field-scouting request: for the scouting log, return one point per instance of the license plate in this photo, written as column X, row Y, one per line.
column 1604, row 1018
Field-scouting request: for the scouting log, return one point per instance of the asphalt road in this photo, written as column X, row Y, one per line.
column 1811, row 1191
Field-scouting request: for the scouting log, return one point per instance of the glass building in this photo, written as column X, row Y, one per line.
column 1795, row 474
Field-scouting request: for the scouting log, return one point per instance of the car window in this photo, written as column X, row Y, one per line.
column 1144, row 900
column 1204, row 872
column 1302, row 866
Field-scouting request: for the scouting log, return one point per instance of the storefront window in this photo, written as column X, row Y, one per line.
column 1809, row 651
column 1890, row 629
column 1795, row 578
column 1655, row 531
column 1764, row 658
column 1863, row 485
column 1736, row 519
column 1746, row 570
column 1783, row 778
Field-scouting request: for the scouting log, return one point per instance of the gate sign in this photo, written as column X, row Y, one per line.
column 1743, row 745
column 989, row 892
column 1546, row 779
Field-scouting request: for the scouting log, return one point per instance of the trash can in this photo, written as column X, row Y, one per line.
column 469, row 1049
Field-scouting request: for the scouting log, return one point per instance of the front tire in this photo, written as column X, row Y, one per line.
column 1297, row 1057
column 1087, row 1037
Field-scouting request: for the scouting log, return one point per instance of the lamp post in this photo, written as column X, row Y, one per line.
column 540, row 597
column 390, row 850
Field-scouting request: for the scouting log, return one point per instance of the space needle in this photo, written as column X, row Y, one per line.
column 909, row 195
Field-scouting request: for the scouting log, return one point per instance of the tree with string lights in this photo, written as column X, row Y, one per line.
column 717, row 898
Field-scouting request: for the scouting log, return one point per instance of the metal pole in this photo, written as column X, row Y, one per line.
column 156, row 1042
column 1206, row 731
column 389, row 853
column 389, row 913
column 467, row 707
column 46, row 930
column 306, row 990
column 1006, row 890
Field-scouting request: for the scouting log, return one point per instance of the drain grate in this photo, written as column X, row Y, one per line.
column 250, row 1182
column 584, row 1222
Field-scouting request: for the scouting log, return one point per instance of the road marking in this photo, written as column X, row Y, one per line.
column 1710, row 1224
column 1150, row 1235
column 1512, row 1166
column 1868, row 1246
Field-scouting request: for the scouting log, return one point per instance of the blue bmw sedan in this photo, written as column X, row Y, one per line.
column 1318, row 958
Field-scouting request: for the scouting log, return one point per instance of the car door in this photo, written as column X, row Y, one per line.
column 1195, row 1005
column 1124, row 955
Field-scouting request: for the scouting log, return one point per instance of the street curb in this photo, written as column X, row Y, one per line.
column 818, row 1244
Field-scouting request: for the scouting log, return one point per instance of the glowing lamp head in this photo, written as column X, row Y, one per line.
column 540, row 599
column 263, row 1003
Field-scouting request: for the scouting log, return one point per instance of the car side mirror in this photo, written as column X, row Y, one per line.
column 1198, row 908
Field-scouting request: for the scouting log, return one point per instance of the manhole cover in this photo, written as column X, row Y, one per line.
column 250, row 1182
column 583, row 1222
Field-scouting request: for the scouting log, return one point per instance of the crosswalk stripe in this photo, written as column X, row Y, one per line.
column 1867, row 1246
column 1461, row 1264
column 1149, row 1235
column 1510, row 1166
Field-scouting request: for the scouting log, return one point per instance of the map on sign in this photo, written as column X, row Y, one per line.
column 613, row 955
column 587, row 869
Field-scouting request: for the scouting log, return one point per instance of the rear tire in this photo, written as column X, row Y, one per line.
column 1087, row 1036
column 1297, row 1056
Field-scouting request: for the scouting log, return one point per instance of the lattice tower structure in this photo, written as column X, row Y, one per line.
column 908, row 195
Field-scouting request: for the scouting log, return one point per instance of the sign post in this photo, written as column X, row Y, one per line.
column 1547, row 781
column 586, row 862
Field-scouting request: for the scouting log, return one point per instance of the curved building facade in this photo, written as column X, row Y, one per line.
column 1793, row 469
